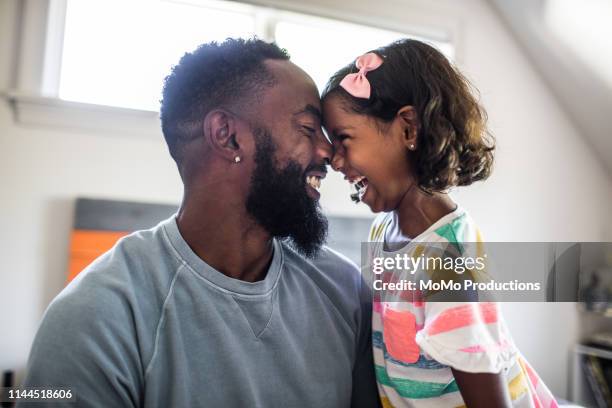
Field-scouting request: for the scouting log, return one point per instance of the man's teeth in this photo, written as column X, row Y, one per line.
column 314, row 182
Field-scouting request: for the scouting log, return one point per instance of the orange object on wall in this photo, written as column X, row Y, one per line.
column 87, row 245
column 99, row 224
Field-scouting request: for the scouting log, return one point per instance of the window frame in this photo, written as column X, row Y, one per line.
column 34, row 93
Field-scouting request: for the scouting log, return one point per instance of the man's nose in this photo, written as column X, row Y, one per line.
column 324, row 150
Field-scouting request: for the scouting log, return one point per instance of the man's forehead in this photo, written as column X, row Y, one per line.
column 285, row 70
column 294, row 89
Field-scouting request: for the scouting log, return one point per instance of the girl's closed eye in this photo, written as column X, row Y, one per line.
column 342, row 138
column 339, row 143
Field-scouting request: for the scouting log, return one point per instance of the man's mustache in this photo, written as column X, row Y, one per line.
column 316, row 167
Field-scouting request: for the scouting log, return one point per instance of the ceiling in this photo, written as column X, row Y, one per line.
column 569, row 43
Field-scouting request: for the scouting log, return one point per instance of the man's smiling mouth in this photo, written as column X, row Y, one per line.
column 314, row 182
column 313, row 179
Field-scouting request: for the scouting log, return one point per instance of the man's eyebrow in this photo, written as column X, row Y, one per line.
column 311, row 109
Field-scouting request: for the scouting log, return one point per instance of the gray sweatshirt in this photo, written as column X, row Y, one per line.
column 150, row 324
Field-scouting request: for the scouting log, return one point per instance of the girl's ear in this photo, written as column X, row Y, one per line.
column 409, row 120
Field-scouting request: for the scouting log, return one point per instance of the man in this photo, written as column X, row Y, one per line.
column 210, row 308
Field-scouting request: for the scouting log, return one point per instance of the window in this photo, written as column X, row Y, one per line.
column 123, row 63
column 85, row 61
column 322, row 46
column 117, row 52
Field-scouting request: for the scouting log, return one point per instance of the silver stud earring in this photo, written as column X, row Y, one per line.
column 237, row 159
column 411, row 147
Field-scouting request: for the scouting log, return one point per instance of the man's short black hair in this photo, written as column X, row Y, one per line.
column 230, row 74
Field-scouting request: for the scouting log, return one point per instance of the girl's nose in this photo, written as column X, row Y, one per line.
column 337, row 162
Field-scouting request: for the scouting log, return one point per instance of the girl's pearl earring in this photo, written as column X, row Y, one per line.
column 237, row 159
column 411, row 147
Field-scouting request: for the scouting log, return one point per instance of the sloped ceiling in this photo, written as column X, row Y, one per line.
column 584, row 93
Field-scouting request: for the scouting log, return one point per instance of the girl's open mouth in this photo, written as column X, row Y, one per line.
column 361, row 186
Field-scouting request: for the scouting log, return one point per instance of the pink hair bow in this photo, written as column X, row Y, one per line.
column 357, row 84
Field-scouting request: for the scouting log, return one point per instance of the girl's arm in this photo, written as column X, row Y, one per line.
column 483, row 390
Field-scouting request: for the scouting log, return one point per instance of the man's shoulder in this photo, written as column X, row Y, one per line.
column 135, row 272
column 329, row 256
column 332, row 273
column 328, row 262
column 141, row 255
column 338, row 267
column 116, row 299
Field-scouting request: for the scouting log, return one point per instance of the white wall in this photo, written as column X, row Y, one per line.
column 547, row 184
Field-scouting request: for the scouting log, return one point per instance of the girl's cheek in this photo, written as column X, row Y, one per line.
column 352, row 154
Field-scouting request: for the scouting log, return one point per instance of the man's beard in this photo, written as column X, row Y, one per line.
column 279, row 202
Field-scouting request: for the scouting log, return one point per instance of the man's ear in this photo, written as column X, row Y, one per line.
column 409, row 121
column 220, row 132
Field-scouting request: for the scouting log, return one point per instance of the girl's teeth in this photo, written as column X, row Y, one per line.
column 360, row 189
column 358, row 180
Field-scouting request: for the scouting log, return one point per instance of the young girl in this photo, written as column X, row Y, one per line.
column 405, row 129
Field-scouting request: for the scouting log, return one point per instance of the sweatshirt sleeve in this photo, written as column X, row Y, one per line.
column 87, row 343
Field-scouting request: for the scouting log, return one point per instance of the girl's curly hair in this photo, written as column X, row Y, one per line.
column 455, row 147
